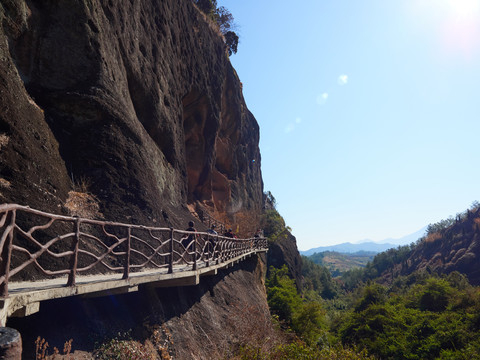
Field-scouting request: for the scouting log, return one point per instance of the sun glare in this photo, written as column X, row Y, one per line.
column 464, row 8
column 461, row 29
column 456, row 22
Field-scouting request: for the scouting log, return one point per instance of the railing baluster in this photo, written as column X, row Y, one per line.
column 6, row 254
column 126, row 271
column 215, row 250
column 74, row 259
column 170, row 264
column 206, row 248
column 195, row 252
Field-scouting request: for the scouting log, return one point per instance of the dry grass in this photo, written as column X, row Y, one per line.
column 433, row 237
column 156, row 347
column 82, row 203
column 254, row 329
column 5, row 184
column 4, row 139
column 41, row 350
column 476, row 224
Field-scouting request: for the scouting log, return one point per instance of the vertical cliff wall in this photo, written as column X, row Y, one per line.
column 137, row 103
column 136, row 99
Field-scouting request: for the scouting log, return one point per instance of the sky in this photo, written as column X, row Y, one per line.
column 368, row 111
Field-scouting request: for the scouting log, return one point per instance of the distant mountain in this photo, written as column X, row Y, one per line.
column 405, row 240
column 350, row 248
column 368, row 245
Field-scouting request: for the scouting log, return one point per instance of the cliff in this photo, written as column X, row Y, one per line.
column 137, row 101
column 133, row 105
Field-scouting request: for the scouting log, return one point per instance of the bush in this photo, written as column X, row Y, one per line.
column 273, row 224
column 435, row 296
column 428, row 318
column 298, row 350
column 283, row 299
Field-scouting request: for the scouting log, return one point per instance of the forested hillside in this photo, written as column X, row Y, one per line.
column 392, row 308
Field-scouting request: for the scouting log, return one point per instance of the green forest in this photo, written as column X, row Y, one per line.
column 422, row 315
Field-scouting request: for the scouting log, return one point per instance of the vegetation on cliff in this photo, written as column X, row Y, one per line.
column 225, row 21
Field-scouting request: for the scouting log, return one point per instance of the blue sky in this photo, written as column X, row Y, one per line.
column 368, row 111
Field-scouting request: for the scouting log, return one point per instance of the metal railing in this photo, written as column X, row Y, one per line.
column 36, row 245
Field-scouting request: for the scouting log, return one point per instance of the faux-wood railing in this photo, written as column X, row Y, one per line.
column 50, row 245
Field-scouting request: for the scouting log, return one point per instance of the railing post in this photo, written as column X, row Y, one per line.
column 170, row 264
column 215, row 247
column 206, row 248
column 126, row 270
column 195, row 252
column 6, row 255
column 74, row 259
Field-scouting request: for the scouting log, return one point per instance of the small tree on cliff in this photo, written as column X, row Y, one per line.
column 225, row 21
column 231, row 39
column 207, row 6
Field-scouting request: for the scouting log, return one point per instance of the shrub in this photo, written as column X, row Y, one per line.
column 436, row 295
column 273, row 224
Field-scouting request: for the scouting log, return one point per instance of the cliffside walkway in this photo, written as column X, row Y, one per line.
column 45, row 256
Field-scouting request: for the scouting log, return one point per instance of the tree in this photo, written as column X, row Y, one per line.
column 436, row 295
column 273, row 224
column 372, row 294
column 224, row 19
column 319, row 278
column 269, row 201
column 309, row 322
column 282, row 295
column 207, row 6
column 231, row 40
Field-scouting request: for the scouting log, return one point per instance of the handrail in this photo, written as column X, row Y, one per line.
column 56, row 245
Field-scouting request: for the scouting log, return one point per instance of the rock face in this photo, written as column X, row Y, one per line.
column 136, row 99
